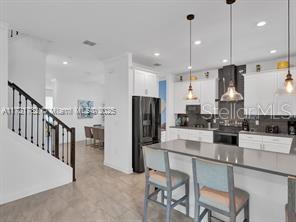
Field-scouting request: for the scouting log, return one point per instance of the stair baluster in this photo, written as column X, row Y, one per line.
column 13, row 109
column 32, row 122
column 63, row 136
column 26, row 118
column 38, row 110
column 20, row 107
column 43, row 126
column 50, row 127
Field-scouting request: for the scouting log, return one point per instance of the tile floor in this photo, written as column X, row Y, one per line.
column 99, row 194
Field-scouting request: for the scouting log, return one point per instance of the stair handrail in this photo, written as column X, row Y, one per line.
column 47, row 112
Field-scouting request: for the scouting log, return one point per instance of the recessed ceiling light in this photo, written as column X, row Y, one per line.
column 225, row 60
column 273, row 51
column 65, row 63
column 197, row 42
column 262, row 23
column 189, row 67
column 156, row 54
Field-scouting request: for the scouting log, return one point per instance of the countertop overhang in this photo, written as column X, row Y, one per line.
column 258, row 160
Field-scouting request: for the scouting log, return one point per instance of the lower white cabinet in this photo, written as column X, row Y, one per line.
column 266, row 143
column 191, row 134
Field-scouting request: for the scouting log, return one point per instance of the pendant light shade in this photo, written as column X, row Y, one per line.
column 231, row 95
column 289, row 84
column 190, row 94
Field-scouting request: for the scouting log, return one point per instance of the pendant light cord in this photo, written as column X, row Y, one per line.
column 190, row 52
column 230, row 34
column 289, row 40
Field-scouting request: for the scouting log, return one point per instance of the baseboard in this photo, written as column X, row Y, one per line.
column 126, row 171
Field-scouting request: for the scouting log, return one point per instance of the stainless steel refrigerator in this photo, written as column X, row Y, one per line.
column 146, row 127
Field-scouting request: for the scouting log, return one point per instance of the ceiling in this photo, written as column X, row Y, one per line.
column 144, row 27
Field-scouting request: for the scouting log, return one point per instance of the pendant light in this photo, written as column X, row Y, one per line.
column 190, row 94
column 289, row 86
column 231, row 95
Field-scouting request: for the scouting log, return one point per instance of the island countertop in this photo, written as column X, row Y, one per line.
column 269, row 162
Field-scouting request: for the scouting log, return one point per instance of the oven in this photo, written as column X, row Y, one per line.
column 224, row 137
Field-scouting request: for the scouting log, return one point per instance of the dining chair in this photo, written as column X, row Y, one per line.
column 98, row 135
column 214, row 190
column 159, row 175
column 88, row 134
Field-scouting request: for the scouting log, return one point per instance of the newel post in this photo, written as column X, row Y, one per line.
column 72, row 161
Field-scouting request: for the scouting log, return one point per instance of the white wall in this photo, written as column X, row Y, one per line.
column 29, row 170
column 67, row 94
column 3, row 102
column 27, row 65
column 24, row 169
column 118, row 128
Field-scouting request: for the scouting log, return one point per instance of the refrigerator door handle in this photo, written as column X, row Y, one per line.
column 141, row 121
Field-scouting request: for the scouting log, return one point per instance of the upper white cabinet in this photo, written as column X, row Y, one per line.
column 145, row 84
column 208, row 95
column 180, row 90
column 205, row 90
column 259, row 93
column 263, row 94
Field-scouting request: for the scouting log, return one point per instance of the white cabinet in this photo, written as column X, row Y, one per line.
column 208, row 95
column 180, row 90
column 265, row 94
column 205, row 90
column 259, row 93
column 206, row 136
column 266, row 143
column 145, row 84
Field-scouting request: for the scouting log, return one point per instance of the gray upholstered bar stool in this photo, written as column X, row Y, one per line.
column 159, row 175
column 214, row 190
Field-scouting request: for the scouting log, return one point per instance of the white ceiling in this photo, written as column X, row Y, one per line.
column 147, row 26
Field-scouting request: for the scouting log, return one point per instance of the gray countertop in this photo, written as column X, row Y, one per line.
column 269, row 162
column 194, row 128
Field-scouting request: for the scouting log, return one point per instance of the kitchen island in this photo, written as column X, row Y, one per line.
column 263, row 174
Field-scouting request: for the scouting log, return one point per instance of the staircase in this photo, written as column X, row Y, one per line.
column 30, row 120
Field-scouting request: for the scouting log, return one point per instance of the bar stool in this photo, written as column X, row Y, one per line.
column 214, row 190
column 159, row 175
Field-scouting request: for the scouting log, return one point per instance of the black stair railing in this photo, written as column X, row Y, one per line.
column 48, row 132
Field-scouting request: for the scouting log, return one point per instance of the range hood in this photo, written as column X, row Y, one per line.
column 228, row 73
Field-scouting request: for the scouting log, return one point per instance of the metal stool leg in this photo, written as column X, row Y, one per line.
column 147, row 188
column 169, row 206
column 162, row 196
column 187, row 197
column 209, row 216
column 247, row 212
column 196, row 212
